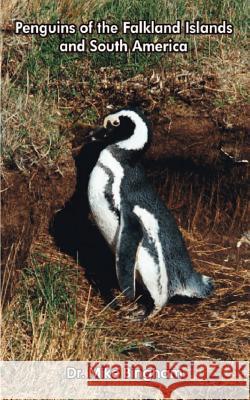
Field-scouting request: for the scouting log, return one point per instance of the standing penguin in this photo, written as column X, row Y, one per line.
column 133, row 219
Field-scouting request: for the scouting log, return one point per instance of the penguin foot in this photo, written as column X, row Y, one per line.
column 138, row 314
column 155, row 311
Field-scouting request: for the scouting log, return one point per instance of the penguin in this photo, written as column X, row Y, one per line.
column 137, row 225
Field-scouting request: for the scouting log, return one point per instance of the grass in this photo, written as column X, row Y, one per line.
column 46, row 50
column 48, row 293
column 31, row 135
column 43, row 321
column 37, row 77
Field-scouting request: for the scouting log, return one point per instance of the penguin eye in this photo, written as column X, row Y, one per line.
column 116, row 122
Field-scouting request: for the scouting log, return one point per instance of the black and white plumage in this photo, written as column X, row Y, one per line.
column 133, row 219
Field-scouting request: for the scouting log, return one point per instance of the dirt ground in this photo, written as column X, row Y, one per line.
column 195, row 162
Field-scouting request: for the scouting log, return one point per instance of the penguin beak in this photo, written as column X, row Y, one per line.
column 97, row 135
column 89, row 138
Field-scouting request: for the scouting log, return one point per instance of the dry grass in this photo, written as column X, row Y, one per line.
column 43, row 322
column 234, row 77
column 30, row 120
column 30, row 129
column 217, row 327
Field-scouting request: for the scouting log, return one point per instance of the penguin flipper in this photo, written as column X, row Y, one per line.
column 129, row 237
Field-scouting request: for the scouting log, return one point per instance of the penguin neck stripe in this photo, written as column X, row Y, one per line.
column 109, row 161
column 140, row 136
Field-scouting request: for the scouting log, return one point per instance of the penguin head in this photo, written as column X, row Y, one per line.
column 126, row 128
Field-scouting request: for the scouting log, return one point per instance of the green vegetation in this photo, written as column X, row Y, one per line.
column 30, row 130
column 45, row 311
column 45, row 51
column 48, row 290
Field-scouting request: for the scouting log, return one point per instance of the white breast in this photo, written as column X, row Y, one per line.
column 105, row 218
column 103, row 214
